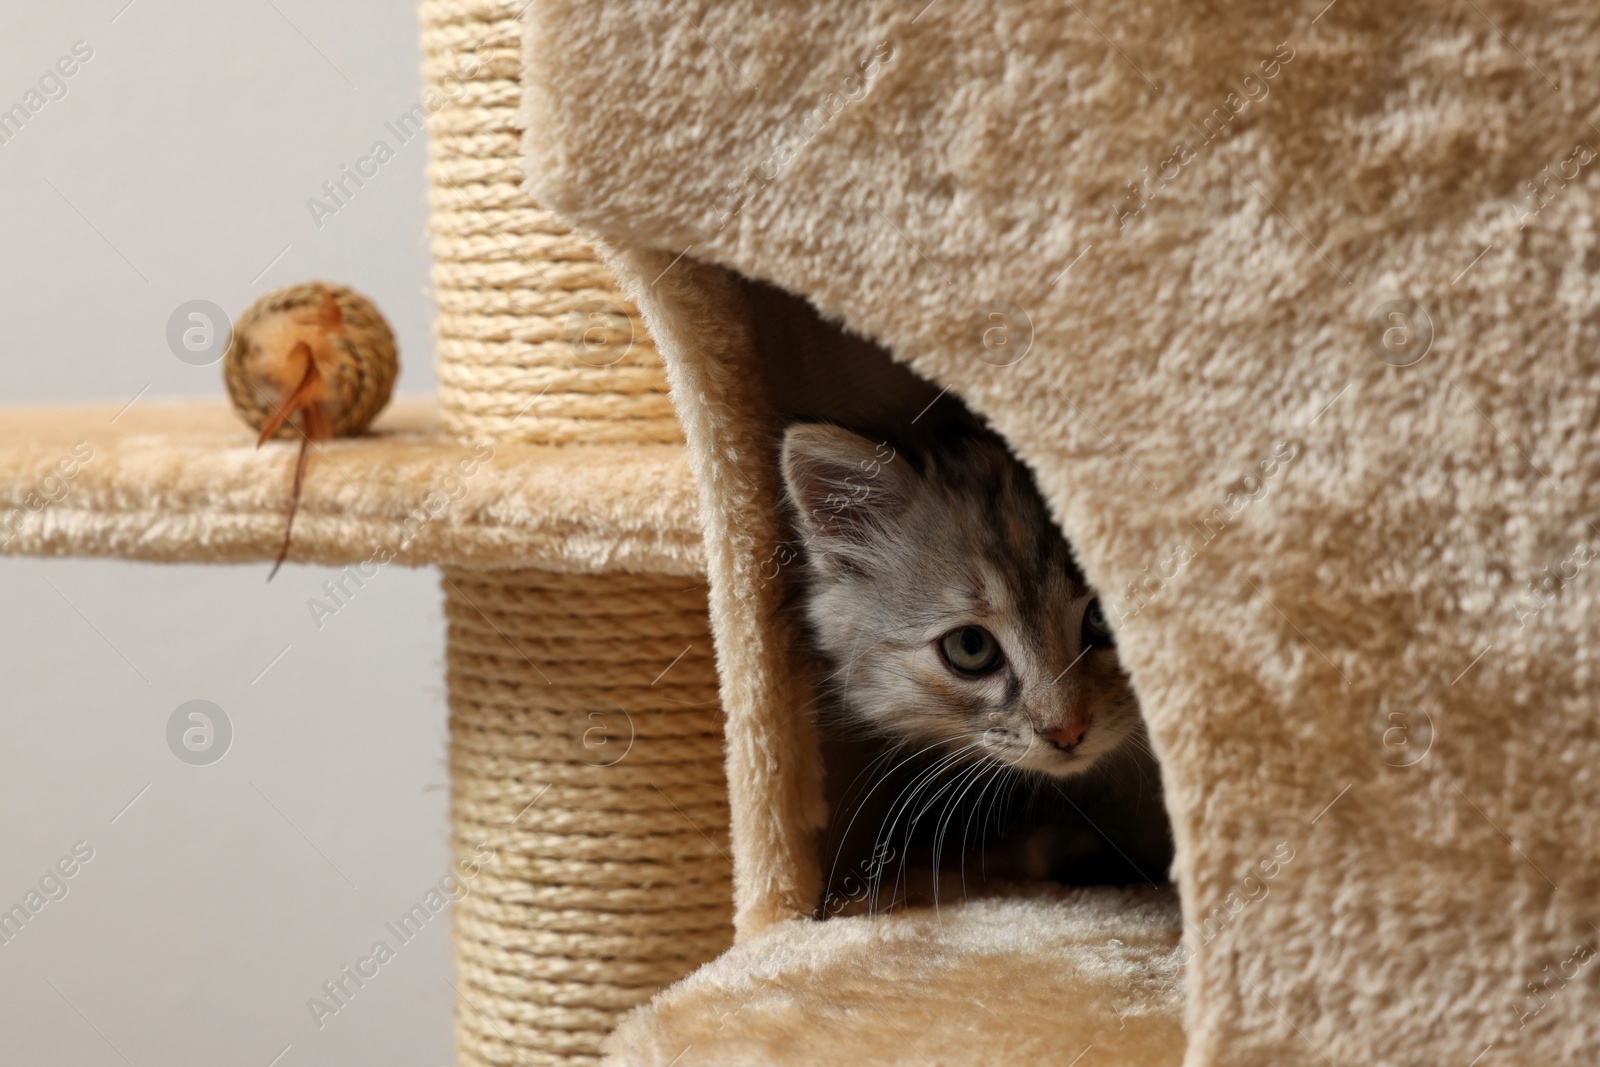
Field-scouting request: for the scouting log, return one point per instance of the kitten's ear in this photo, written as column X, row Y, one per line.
column 846, row 489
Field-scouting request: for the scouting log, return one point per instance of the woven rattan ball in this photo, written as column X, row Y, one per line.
column 314, row 358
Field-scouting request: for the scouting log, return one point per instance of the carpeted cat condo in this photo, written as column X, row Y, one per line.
column 1293, row 310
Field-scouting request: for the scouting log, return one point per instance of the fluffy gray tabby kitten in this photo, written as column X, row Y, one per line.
column 957, row 623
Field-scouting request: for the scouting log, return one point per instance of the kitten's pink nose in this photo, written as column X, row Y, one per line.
column 1069, row 733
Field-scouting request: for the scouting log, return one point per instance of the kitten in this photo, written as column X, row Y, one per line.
column 957, row 623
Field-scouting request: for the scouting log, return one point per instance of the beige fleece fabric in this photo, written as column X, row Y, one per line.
column 1293, row 310
column 183, row 481
column 700, row 322
column 1064, row 973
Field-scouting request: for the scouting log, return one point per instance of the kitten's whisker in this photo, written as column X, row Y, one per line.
column 966, row 828
column 845, row 837
column 943, row 827
column 937, row 849
column 1011, row 777
column 948, row 783
column 928, row 778
column 916, row 783
column 908, row 796
column 954, row 787
column 821, row 695
column 995, row 775
column 851, row 665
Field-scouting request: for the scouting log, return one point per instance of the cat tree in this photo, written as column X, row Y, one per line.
column 1314, row 397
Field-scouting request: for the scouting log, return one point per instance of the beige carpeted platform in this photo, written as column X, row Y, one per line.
column 1047, row 977
column 183, row 481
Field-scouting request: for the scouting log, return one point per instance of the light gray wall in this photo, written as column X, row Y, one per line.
column 177, row 166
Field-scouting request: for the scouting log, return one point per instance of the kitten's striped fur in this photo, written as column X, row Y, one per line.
column 909, row 539
column 912, row 540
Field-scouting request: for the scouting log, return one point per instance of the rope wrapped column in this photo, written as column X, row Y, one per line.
column 589, row 804
column 588, row 798
column 534, row 341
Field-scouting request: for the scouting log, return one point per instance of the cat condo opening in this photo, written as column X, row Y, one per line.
column 944, row 782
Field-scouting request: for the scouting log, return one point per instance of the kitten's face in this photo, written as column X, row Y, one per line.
column 949, row 605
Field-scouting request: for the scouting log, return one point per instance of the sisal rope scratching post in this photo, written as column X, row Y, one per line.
column 588, row 784
column 534, row 342
column 586, row 739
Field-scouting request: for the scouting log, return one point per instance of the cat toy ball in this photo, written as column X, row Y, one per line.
column 314, row 362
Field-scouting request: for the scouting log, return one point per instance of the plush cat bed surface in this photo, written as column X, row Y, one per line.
column 1293, row 311
column 1041, row 978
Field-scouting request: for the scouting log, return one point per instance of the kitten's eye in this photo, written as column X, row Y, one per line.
column 971, row 650
column 1095, row 631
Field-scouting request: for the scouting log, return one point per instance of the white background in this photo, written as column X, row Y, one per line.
column 178, row 167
